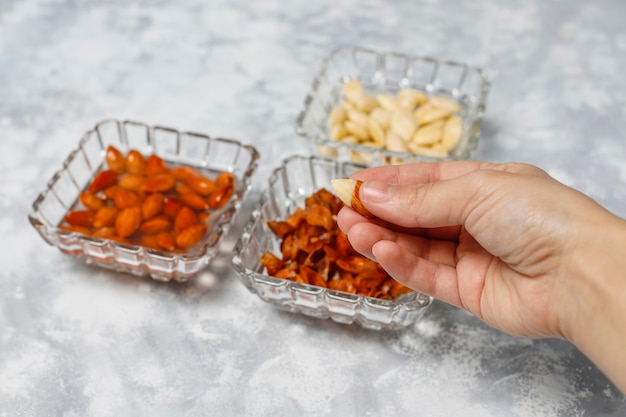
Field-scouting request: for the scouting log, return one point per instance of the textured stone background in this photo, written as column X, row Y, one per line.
column 80, row 341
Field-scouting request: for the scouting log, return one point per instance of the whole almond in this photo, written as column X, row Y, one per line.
column 115, row 159
column 166, row 241
column 131, row 182
column 83, row 218
column 152, row 205
column 191, row 236
column 124, row 199
column 185, row 218
column 91, row 201
column 159, row 183
column 347, row 191
column 156, row 225
column 128, row 221
column 105, row 217
column 135, row 162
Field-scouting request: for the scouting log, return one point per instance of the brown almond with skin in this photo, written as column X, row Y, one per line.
column 183, row 173
column 115, row 159
column 131, row 182
column 104, row 232
column 152, row 205
column 203, row 216
column 201, row 185
column 82, row 218
column 91, row 201
column 135, row 162
column 148, row 241
column 109, row 192
column 221, row 196
column 128, row 221
column 156, row 225
column 182, row 188
column 194, row 201
column 159, row 183
column 124, row 199
column 103, row 180
column 191, row 236
column 165, row 241
column 171, row 206
column 225, row 178
column 105, row 217
column 155, row 165
column 348, row 192
column 185, row 218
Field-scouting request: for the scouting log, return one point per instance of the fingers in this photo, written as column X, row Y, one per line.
column 364, row 235
column 435, row 195
column 348, row 218
column 420, row 263
column 422, row 275
column 437, row 204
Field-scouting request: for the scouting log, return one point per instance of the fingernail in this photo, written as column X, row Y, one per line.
column 375, row 191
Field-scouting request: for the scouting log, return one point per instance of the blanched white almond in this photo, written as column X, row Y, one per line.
column 337, row 115
column 377, row 133
column 366, row 103
column 357, row 129
column 350, row 139
column 348, row 105
column 353, row 90
column 372, row 144
column 452, row 132
column 344, row 188
column 395, row 143
column 410, row 98
column 359, row 157
column 447, row 103
column 427, row 113
column 429, row 134
column 402, row 123
column 347, row 190
column 438, row 147
column 358, row 117
column 328, row 151
column 429, row 151
column 337, row 132
column 407, row 121
column 387, row 102
column 395, row 160
column 382, row 116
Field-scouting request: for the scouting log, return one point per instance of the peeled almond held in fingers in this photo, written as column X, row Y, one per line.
column 347, row 190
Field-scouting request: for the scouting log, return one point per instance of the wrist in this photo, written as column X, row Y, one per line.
column 596, row 288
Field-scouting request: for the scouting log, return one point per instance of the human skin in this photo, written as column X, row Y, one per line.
column 506, row 242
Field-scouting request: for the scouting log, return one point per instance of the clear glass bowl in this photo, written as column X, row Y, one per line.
column 297, row 178
column 387, row 73
column 184, row 148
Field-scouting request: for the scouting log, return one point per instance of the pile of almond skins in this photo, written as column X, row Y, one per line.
column 315, row 251
column 410, row 121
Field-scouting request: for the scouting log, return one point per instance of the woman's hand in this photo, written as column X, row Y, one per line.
column 506, row 242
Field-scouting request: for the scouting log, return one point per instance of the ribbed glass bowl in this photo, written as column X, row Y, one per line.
column 387, row 73
column 210, row 155
column 289, row 185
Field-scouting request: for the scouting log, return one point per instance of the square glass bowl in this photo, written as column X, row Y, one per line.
column 289, row 185
column 385, row 73
column 207, row 154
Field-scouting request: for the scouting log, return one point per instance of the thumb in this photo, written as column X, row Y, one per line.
column 428, row 205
